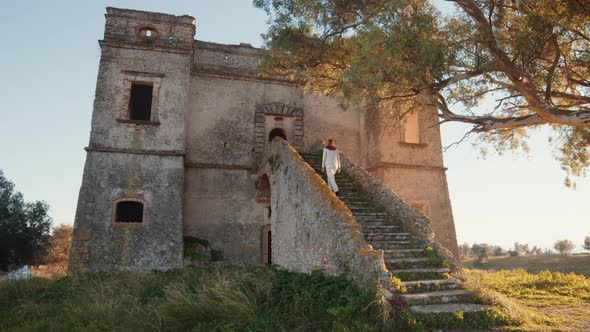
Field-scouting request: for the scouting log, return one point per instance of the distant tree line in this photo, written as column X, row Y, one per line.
column 482, row 251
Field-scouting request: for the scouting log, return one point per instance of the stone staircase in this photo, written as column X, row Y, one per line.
column 426, row 285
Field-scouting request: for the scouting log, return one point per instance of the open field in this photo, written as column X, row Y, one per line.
column 547, row 301
column 534, row 264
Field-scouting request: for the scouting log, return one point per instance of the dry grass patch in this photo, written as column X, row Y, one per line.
column 547, row 301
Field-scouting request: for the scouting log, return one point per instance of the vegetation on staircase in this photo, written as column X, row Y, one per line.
column 421, row 278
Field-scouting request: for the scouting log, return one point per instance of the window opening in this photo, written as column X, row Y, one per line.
column 412, row 128
column 129, row 212
column 140, row 102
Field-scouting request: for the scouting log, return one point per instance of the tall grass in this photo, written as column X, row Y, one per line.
column 263, row 299
column 206, row 299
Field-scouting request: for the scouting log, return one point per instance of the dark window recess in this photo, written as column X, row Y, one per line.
column 277, row 132
column 140, row 102
column 129, row 212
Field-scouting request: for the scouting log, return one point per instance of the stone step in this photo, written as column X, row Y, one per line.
column 449, row 307
column 384, row 232
column 362, row 204
column 375, row 223
column 380, row 238
column 395, row 263
column 346, row 190
column 371, row 214
column 441, row 284
column 423, row 270
column 364, row 209
column 438, row 297
column 354, row 198
column 363, row 218
column 406, row 260
column 389, row 244
column 399, row 253
column 387, row 236
column 369, row 228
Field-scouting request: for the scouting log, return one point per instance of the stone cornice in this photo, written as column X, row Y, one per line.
column 234, row 75
column 242, row 49
column 134, row 46
column 168, row 153
column 218, row 166
column 400, row 165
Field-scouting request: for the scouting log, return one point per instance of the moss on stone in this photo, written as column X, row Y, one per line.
column 274, row 162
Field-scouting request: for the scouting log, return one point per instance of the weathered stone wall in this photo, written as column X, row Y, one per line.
column 100, row 244
column 220, row 207
column 137, row 160
column 311, row 228
column 222, row 150
column 324, row 119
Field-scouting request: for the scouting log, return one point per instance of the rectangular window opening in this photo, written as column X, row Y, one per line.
column 412, row 128
column 129, row 212
column 140, row 102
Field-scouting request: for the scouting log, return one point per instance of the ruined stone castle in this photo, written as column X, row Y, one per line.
column 183, row 144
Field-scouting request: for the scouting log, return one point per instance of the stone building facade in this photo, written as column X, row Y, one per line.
column 179, row 129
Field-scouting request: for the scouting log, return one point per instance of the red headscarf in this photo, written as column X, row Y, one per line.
column 331, row 145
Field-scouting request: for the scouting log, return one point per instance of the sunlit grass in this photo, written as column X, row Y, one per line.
column 547, row 301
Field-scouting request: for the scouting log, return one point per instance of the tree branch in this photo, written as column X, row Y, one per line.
column 520, row 79
column 488, row 123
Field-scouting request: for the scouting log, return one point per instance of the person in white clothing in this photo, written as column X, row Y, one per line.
column 331, row 164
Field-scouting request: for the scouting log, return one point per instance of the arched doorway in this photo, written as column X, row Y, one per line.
column 277, row 132
column 263, row 199
column 266, row 245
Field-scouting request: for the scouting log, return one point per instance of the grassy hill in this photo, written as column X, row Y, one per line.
column 579, row 264
column 264, row 299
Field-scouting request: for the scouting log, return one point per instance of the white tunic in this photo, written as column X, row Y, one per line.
column 331, row 163
column 331, row 159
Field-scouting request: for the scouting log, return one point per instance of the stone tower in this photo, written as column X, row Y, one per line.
column 129, row 213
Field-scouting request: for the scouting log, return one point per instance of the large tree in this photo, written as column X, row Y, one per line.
column 500, row 66
column 24, row 227
column 564, row 247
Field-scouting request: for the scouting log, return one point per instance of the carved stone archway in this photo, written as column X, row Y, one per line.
column 277, row 109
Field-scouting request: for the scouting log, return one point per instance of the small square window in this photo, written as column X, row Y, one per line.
column 129, row 212
column 140, row 101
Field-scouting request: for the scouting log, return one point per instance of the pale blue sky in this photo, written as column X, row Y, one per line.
column 49, row 61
